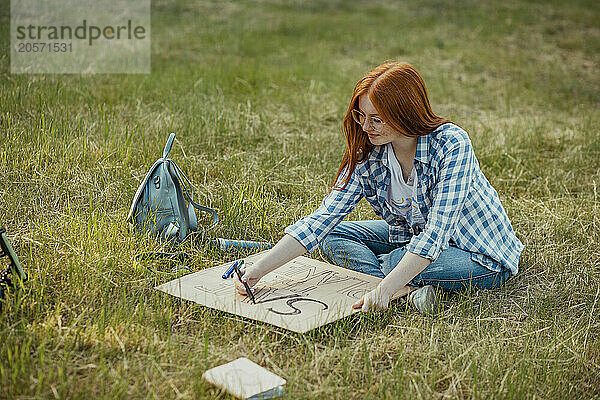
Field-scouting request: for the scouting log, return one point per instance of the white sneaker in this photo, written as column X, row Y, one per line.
column 425, row 300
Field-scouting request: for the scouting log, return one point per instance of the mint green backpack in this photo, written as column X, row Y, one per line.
column 164, row 203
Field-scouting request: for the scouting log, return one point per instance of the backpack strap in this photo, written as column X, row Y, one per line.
column 168, row 146
column 189, row 193
column 208, row 210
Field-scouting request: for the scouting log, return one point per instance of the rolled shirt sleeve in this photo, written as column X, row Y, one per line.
column 449, row 195
column 312, row 229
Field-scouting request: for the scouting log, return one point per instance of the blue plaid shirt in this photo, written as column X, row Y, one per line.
column 458, row 203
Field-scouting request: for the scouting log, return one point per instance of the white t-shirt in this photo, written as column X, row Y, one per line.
column 401, row 193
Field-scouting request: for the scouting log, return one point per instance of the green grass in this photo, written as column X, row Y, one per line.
column 255, row 91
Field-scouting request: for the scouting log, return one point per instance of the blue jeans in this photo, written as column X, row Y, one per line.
column 364, row 246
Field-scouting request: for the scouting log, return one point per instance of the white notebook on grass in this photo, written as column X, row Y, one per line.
column 246, row 380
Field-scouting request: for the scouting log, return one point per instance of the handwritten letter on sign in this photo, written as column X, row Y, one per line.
column 300, row 295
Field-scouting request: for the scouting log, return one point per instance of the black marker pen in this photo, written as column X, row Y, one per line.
column 239, row 274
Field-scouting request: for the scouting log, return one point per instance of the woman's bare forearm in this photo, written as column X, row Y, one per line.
column 285, row 250
column 409, row 266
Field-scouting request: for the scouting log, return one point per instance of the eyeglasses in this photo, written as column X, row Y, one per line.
column 375, row 122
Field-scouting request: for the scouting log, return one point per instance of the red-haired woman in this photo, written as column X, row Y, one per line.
column 442, row 222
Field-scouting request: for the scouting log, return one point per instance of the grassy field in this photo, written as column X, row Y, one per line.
column 255, row 91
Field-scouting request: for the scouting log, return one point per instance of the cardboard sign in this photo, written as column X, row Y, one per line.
column 300, row 295
column 246, row 380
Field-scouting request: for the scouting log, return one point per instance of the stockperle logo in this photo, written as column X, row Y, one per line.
column 80, row 36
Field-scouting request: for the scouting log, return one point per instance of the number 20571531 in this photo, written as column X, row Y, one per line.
column 43, row 47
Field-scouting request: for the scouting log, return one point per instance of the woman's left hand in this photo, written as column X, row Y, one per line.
column 376, row 299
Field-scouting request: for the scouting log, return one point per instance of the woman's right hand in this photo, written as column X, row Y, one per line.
column 251, row 276
column 285, row 250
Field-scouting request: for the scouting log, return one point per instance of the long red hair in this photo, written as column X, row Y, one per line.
column 398, row 93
